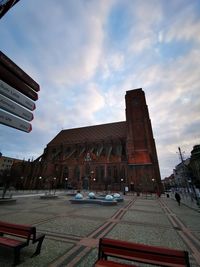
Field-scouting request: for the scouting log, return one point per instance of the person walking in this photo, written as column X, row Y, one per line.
column 178, row 198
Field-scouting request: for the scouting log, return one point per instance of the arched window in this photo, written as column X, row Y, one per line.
column 97, row 175
column 122, row 173
column 109, row 172
column 115, row 174
column 65, row 172
column 87, row 170
column 77, row 173
column 102, row 172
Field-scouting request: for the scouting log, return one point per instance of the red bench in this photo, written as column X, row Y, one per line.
column 24, row 232
column 135, row 252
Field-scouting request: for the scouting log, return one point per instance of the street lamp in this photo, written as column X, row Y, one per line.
column 38, row 183
column 92, row 179
column 153, row 185
column 66, row 180
column 40, row 180
column 54, row 184
column 121, row 180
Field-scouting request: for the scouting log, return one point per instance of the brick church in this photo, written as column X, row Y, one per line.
column 101, row 157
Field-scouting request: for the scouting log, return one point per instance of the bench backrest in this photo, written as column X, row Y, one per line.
column 142, row 253
column 24, row 231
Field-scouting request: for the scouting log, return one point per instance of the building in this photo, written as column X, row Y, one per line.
column 195, row 166
column 102, row 157
column 181, row 175
column 6, row 164
column 169, row 182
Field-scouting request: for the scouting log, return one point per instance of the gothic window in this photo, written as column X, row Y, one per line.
column 77, row 173
column 109, row 172
column 102, row 172
column 115, row 174
column 122, row 173
column 87, row 169
column 119, row 150
column 66, row 172
column 124, row 150
column 97, row 173
column 99, row 150
column 68, row 149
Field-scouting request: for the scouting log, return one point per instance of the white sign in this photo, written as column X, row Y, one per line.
column 16, row 96
column 12, row 121
column 14, row 108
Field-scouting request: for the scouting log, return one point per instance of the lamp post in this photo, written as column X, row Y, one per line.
column 54, row 183
column 153, row 185
column 91, row 180
column 22, row 182
column 66, row 181
column 87, row 160
column 94, row 182
column 40, row 181
column 121, row 183
column 153, row 180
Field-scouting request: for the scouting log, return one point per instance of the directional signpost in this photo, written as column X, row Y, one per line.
column 16, row 96
column 17, row 93
column 5, row 5
column 14, row 122
column 12, row 107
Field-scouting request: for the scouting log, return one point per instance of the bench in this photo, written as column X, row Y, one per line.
column 23, row 234
column 136, row 252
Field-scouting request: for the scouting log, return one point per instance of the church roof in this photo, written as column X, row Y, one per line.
column 91, row 133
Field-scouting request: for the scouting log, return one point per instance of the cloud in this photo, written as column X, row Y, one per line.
column 87, row 54
column 59, row 113
column 147, row 16
column 185, row 26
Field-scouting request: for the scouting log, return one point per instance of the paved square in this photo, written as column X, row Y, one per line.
column 73, row 230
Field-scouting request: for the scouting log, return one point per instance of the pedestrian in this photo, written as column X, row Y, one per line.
column 178, row 198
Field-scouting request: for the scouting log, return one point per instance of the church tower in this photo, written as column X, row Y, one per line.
column 143, row 169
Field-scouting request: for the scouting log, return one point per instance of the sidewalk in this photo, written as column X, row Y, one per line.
column 73, row 230
column 187, row 200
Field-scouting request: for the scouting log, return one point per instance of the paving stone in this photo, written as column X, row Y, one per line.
column 74, row 226
column 98, row 211
column 51, row 250
column 141, row 216
column 148, row 235
column 69, row 226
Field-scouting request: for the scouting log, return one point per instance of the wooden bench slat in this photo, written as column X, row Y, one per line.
column 9, row 242
column 143, row 253
column 135, row 246
column 108, row 263
column 26, row 232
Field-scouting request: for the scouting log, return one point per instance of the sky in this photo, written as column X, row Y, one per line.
column 85, row 55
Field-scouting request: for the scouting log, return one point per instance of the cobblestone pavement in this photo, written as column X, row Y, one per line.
column 73, row 230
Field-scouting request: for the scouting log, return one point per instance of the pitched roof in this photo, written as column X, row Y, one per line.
column 91, row 133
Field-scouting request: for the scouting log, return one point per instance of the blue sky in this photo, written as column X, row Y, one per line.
column 86, row 54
